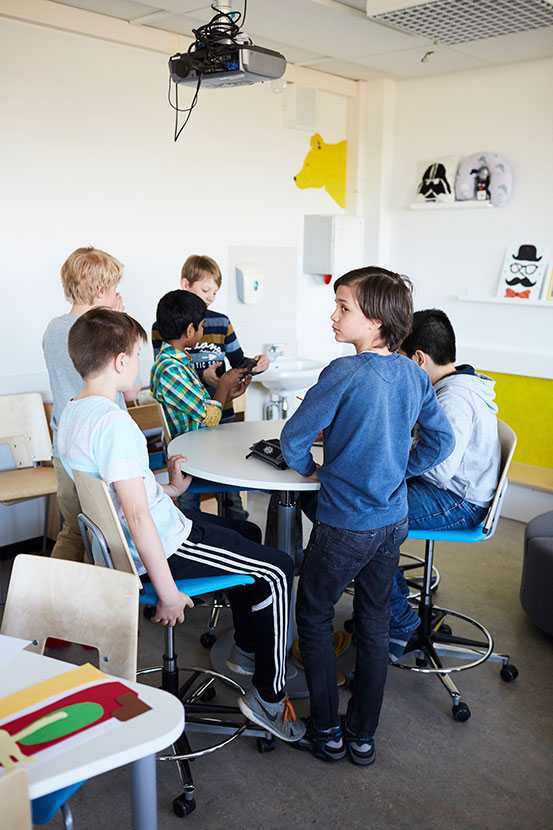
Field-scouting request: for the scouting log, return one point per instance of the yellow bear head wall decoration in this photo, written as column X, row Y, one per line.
column 325, row 166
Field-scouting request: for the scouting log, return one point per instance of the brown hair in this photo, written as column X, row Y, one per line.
column 88, row 273
column 98, row 336
column 383, row 295
column 198, row 267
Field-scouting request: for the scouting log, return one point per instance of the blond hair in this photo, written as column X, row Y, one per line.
column 198, row 267
column 88, row 273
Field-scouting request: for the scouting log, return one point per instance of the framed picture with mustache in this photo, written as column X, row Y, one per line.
column 523, row 272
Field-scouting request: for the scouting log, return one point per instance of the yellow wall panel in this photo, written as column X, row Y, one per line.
column 526, row 404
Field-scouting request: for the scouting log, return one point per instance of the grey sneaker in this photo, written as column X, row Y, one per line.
column 240, row 661
column 277, row 718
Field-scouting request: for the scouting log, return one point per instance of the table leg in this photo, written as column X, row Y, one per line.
column 286, row 534
column 286, row 517
column 144, row 793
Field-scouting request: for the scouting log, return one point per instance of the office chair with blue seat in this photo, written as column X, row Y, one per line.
column 106, row 545
column 150, row 418
column 434, row 637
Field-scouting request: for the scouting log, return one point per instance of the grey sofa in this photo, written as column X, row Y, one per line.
column 536, row 588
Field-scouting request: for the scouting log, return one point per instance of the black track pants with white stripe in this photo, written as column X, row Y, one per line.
column 260, row 611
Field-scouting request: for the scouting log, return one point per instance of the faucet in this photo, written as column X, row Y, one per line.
column 273, row 351
column 276, row 408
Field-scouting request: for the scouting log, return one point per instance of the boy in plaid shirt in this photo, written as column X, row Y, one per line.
column 174, row 380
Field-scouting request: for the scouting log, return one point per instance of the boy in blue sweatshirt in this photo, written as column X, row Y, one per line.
column 366, row 405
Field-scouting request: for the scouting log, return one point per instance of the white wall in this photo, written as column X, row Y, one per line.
column 88, row 158
column 507, row 110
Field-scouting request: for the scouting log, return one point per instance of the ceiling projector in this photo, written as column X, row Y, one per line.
column 232, row 64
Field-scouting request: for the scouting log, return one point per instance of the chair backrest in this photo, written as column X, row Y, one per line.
column 150, row 416
column 14, row 798
column 24, row 428
column 508, row 442
column 97, row 505
column 76, row 602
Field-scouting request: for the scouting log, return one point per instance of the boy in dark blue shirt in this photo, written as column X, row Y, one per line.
column 366, row 405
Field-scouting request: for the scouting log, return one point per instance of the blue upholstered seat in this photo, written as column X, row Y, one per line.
column 473, row 534
column 196, row 587
column 45, row 808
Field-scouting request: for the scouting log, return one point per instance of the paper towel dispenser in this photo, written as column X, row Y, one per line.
column 249, row 283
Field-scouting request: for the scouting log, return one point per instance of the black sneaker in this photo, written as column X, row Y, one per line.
column 361, row 750
column 326, row 744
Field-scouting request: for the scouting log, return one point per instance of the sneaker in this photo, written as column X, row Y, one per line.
column 241, row 662
column 361, row 750
column 326, row 744
column 277, row 718
column 399, row 646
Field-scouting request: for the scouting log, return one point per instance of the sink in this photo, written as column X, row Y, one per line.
column 288, row 374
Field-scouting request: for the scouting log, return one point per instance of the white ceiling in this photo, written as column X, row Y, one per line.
column 335, row 36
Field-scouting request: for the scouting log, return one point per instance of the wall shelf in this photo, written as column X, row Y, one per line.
column 470, row 204
column 513, row 302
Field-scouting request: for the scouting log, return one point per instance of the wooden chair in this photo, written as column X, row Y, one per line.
column 14, row 798
column 76, row 602
column 81, row 604
column 24, row 429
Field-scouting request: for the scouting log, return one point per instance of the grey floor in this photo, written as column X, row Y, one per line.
column 494, row 772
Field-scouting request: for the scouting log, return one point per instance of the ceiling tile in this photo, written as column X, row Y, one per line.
column 523, row 46
column 407, row 63
column 123, row 9
column 345, row 70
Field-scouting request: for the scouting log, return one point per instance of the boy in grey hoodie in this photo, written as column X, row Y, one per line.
column 457, row 493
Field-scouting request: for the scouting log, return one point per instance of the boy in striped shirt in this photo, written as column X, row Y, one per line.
column 202, row 276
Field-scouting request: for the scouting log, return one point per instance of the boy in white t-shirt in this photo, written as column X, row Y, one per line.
column 97, row 437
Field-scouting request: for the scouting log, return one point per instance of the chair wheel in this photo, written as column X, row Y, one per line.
column 208, row 640
column 348, row 626
column 148, row 612
column 265, row 745
column 460, row 712
column 182, row 806
column 509, row 672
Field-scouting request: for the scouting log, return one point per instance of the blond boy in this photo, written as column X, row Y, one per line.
column 90, row 278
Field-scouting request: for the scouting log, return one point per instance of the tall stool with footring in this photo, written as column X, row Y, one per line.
column 434, row 637
column 106, row 545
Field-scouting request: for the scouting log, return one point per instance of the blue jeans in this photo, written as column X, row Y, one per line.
column 430, row 508
column 335, row 557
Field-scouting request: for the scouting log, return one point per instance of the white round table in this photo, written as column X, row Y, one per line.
column 219, row 455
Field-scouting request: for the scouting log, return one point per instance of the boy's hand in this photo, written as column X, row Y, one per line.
column 209, row 377
column 241, row 387
column 234, row 382
column 172, row 611
column 315, row 474
column 179, row 482
column 262, row 364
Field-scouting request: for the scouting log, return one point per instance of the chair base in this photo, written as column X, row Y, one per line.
column 224, row 721
column 435, row 640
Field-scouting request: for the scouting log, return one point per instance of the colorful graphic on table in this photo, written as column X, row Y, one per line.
column 325, row 166
column 523, row 272
column 69, row 716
